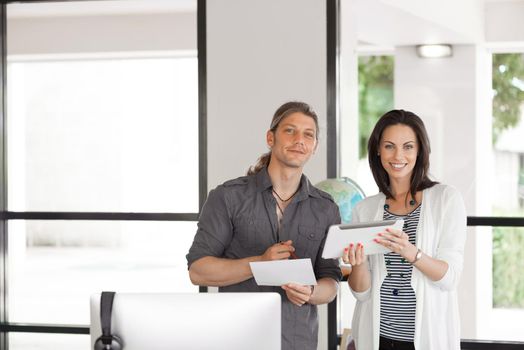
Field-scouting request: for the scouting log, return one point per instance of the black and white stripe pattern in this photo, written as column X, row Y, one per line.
column 397, row 297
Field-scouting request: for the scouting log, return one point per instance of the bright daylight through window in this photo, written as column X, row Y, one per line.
column 508, row 198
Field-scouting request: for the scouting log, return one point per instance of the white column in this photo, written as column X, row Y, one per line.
column 348, row 91
column 261, row 54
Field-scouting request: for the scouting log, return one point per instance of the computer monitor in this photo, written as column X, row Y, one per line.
column 159, row 321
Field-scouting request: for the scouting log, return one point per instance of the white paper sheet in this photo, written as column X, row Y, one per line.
column 280, row 272
column 340, row 236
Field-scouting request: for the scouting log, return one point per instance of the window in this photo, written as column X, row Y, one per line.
column 56, row 265
column 123, row 139
column 507, row 195
column 104, row 160
column 375, row 97
column 483, row 158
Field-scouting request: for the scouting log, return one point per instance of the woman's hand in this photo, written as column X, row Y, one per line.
column 354, row 255
column 398, row 242
column 360, row 278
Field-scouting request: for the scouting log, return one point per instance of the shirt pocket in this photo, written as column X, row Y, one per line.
column 253, row 235
column 309, row 239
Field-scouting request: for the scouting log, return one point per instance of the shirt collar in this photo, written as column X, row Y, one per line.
column 306, row 189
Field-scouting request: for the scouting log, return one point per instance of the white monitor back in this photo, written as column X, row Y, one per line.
column 200, row 321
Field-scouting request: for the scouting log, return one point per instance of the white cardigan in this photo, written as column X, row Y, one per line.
column 441, row 234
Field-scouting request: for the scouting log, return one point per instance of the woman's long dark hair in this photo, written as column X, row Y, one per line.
column 281, row 113
column 419, row 179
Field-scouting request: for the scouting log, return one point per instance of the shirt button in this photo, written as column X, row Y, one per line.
column 311, row 235
column 388, row 262
column 395, row 292
column 403, row 260
column 389, row 275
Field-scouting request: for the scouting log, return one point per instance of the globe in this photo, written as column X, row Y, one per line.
column 346, row 194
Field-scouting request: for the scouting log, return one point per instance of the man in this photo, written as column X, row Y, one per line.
column 272, row 213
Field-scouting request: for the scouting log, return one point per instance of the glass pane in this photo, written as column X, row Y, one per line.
column 508, row 267
column 54, row 266
column 505, row 320
column 508, row 128
column 375, row 79
column 38, row 341
column 105, row 128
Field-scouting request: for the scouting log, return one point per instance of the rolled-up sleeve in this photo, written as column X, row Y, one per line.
column 453, row 238
column 215, row 229
column 328, row 267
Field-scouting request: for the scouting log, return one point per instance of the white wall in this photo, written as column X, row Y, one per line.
column 504, row 21
column 443, row 93
column 95, row 34
column 348, row 91
column 261, row 54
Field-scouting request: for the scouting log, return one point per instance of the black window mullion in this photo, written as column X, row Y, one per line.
column 99, row 216
column 499, row 221
column 332, row 30
column 3, row 185
column 202, row 101
column 43, row 328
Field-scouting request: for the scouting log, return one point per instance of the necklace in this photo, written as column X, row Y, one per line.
column 411, row 202
column 280, row 210
column 281, row 199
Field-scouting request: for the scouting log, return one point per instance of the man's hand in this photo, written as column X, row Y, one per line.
column 278, row 251
column 298, row 294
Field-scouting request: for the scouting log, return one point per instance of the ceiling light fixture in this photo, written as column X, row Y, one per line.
column 434, row 51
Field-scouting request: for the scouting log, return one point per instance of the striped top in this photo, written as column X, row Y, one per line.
column 397, row 297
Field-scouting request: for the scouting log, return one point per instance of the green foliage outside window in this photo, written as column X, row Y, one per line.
column 508, row 90
column 508, row 267
column 508, row 243
column 375, row 80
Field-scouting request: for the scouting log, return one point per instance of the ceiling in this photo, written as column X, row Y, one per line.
column 407, row 22
column 94, row 8
column 379, row 23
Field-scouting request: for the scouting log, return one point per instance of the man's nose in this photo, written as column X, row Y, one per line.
column 299, row 138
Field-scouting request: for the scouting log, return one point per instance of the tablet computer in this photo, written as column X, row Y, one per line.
column 341, row 236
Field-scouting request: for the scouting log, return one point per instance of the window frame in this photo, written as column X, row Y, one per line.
column 5, row 215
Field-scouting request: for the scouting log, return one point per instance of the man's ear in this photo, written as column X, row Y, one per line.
column 315, row 148
column 270, row 138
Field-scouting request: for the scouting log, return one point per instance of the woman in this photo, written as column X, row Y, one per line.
column 407, row 299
